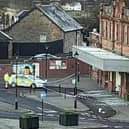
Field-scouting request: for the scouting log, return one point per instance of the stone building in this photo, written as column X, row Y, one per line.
column 5, row 40
column 108, row 58
column 45, row 23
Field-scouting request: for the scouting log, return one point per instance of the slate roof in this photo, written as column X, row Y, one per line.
column 22, row 13
column 4, row 37
column 56, row 14
column 60, row 17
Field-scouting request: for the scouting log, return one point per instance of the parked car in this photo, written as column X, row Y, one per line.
column 26, row 81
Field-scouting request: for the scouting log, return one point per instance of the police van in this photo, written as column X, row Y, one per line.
column 26, row 81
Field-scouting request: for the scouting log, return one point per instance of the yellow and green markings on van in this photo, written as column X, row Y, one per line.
column 19, row 80
column 27, row 81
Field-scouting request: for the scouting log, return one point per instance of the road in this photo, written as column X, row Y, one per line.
column 50, row 113
column 8, row 96
column 89, row 98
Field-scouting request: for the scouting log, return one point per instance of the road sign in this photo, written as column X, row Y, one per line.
column 43, row 95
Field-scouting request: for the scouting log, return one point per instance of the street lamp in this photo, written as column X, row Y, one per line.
column 46, row 52
column 46, row 48
column 78, row 72
column 33, row 71
column 16, row 100
column 76, row 78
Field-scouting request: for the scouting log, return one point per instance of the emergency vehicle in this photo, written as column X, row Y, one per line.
column 26, row 81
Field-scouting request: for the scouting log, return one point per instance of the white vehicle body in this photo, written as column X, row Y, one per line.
column 26, row 81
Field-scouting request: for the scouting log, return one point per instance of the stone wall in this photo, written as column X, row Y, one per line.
column 36, row 27
column 72, row 38
column 33, row 26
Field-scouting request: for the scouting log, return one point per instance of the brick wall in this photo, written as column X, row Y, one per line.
column 70, row 62
column 114, row 28
column 4, row 68
column 106, row 44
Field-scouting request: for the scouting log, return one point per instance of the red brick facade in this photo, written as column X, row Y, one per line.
column 114, row 36
column 68, row 68
column 4, row 68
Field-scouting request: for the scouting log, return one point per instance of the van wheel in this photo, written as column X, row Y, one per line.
column 13, row 84
column 33, row 86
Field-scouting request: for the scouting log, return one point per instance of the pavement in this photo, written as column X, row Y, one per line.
column 66, row 102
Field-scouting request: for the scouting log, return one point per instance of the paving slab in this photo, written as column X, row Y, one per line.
column 14, row 124
column 11, row 108
column 65, row 102
column 58, row 100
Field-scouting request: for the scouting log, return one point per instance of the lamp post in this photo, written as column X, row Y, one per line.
column 16, row 100
column 46, row 48
column 78, row 72
column 76, row 78
column 33, row 71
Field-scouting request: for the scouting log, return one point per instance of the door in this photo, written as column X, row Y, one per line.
column 36, row 69
column 113, row 81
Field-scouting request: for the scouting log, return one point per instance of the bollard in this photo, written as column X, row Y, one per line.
column 30, row 89
column 65, row 93
column 59, row 88
column 75, row 90
column 46, row 90
column 78, row 78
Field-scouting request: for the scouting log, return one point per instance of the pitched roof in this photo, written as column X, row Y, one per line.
column 57, row 15
column 60, row 17
column 21, row 14
column 4, row 37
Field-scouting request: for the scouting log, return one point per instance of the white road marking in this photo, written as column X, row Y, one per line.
column 39, row 108
column 39, row 114
column 105, row 97
column 50, row 111
column 82, row 118
column 50, row 115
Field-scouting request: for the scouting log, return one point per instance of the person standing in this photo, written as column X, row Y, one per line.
column 6, row 80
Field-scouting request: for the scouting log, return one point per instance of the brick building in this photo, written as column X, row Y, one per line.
column 45, row 25
column 108, row 57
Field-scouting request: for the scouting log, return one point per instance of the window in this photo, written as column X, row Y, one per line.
column 102, row 28
column 57, row 64
column 128, row 35
column 43, row 37
column 122, row 35
column 125, row 34
column 110, row 24
column 109, row 30
column 117, row 32
column 106, row 33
